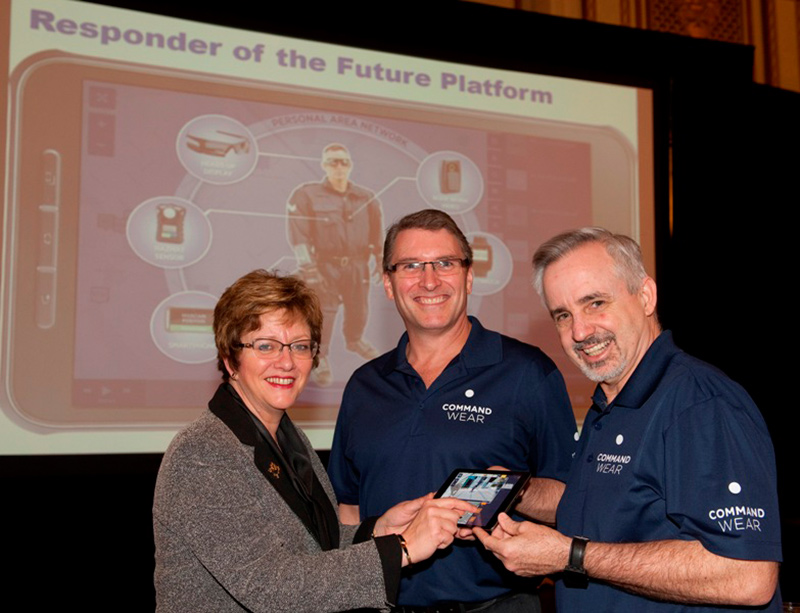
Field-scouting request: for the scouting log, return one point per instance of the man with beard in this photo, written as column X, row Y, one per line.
column 671, row 501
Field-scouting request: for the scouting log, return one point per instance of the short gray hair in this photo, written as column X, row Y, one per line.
column 623, row 250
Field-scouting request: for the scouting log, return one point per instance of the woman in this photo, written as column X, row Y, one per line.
column 244, row 515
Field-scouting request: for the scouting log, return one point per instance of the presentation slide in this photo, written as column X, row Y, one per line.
column 151, row 161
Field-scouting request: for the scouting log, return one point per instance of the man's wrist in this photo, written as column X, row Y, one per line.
column 575, row 572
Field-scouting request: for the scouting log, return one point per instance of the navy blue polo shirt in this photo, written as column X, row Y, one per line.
column 682, row 452
column 499, row 402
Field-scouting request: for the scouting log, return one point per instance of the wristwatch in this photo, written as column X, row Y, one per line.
column 574, row 573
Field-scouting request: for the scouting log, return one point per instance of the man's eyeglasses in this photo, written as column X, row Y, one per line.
column 270, row 348
column 443, row 267
column 338, row 162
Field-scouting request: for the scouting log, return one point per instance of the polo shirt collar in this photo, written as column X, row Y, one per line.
column 482, row 349
column 645, row 378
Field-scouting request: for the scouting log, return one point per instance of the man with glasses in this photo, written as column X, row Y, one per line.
column 335, row 228
column 451, row 395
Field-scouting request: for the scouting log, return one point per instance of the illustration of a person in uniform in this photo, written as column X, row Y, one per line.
column 336, row 230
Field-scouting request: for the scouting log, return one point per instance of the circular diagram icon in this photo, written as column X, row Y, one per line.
column 450, row 181
column 168, row 232
column 492, row 264
column 217, row 149
column 182, row 327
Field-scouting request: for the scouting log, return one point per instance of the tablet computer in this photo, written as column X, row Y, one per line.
column 493, row 491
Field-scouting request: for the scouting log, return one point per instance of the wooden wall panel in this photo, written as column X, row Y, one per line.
column 771, row 26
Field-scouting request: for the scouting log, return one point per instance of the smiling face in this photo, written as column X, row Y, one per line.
column 430, row 302
column 270, row 386
column 604, row 329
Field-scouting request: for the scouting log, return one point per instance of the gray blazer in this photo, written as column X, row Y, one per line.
column 227, row 541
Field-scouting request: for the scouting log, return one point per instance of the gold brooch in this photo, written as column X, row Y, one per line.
column 274, row 470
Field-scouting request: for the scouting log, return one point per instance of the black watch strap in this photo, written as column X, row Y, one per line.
column 575, row 573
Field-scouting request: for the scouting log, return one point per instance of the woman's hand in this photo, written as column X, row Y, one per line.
column 426, row 523
column 400, row 516
column 434, row 527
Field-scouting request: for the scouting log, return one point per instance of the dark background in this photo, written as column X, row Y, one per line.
column 78, row 528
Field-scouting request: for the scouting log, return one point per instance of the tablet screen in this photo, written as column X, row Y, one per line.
column 492, row 491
